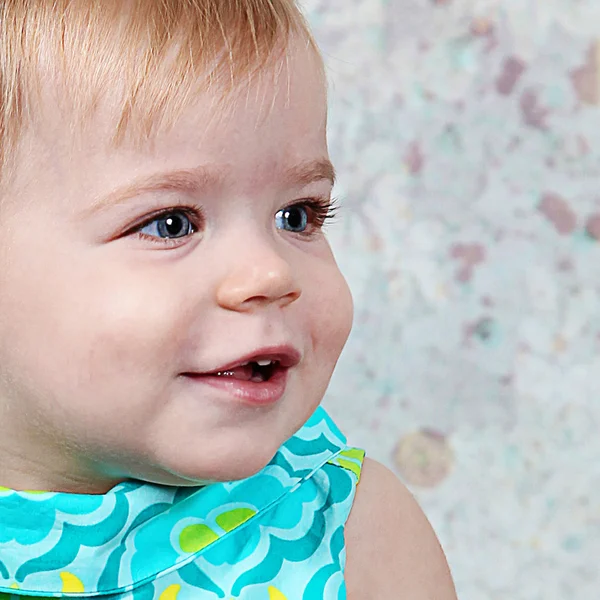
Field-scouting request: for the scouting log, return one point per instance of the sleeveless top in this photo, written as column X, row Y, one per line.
column 278, row 535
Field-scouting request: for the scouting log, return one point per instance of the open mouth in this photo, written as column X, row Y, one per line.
column 255, row 371
column 258, row 379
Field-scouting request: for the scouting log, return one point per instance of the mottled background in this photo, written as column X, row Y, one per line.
column 466, row 134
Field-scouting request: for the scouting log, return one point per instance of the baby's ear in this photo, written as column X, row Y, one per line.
column 390, row 544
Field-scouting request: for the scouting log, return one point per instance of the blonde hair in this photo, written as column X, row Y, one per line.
column 146, row 56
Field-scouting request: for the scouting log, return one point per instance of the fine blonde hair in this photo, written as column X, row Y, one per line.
column 147, row 56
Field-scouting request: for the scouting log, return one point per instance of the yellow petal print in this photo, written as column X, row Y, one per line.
column 353, row 453
column 196, row 537
column 275, row 594
column 71, row 583
column 350, row 466
column 234, row 518
column 171, row 592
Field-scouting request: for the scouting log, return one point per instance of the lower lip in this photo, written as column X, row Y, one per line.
column 264, row 393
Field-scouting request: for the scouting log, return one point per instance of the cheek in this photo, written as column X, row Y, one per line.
column 129, row 332
column 98, row 337
column 331, row 313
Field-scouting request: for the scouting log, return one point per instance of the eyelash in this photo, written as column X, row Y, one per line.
column 321, row 210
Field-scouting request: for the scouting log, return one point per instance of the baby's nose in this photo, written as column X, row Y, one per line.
column 261, row 276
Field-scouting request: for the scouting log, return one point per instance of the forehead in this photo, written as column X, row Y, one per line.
column 292, row 81
column 276, row 121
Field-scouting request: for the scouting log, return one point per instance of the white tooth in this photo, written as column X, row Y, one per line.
column 263, row 363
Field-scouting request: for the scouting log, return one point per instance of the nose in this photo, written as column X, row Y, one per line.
column 259, row 277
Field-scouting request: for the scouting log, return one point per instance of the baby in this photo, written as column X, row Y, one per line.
column 171, row 314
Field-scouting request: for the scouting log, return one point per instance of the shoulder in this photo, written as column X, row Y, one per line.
column 391, row 547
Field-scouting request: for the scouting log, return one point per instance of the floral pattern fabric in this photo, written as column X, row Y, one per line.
column 278, row 535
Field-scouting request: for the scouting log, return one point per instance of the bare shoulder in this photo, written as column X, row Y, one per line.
column 391, row 547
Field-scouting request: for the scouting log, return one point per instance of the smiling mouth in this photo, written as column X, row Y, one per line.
column 257, row 379
column 256, row 383
column 254, row 371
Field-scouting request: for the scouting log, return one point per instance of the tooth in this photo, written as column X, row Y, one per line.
column 263, row 363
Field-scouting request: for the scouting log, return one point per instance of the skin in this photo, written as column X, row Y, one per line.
column 97, row 324
column 391, row 549
column 99, row 321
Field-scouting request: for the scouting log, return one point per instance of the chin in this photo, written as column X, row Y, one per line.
column 234, row 467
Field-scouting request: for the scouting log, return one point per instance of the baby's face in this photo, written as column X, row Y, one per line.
column 120, row 305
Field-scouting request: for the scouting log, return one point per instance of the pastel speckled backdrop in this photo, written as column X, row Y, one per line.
column 466, row 134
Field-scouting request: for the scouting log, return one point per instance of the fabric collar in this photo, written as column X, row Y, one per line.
column 88, row 545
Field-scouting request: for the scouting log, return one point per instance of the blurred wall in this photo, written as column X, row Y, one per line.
column 466, row 134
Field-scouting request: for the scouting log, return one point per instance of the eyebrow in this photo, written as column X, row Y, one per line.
column 182, row 180
column 192, row 180
column 310, row 172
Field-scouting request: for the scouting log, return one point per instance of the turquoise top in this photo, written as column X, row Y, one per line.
column 278, row 535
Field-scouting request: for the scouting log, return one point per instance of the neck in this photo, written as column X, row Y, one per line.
column 27, row 465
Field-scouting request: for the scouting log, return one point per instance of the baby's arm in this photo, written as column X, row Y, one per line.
column 392, row 551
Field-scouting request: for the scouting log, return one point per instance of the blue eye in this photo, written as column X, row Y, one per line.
column 293, row 218
column 172, row 225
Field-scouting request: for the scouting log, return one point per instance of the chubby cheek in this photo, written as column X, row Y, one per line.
column 330, row 311
column 98, row 349
column 130, row 338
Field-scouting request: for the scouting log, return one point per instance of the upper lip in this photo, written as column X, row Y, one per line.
column 286, row 356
